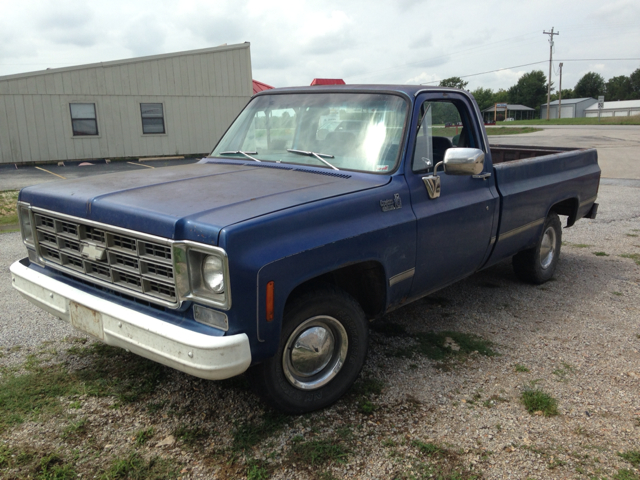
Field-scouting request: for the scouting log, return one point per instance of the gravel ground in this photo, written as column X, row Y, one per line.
column 578, row 337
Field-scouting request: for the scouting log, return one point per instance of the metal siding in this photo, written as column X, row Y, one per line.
column 22, row 119
column 4, row 88
column 204, row 73
column 83, row 82
column 177, row 79
column 190, row 75
column 38, row 124
column 5, row 137
column 56, row 126
column 125, row 88
column 184, row 77
column 41, row 87
column 169, row 81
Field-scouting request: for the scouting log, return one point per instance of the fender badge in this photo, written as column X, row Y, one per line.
column 93, row 252
column 391, row 204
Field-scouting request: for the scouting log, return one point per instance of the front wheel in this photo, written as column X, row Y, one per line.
column 322, row 350
column 537, row 265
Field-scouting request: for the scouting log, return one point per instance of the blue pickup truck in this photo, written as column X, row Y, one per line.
column 320, row 209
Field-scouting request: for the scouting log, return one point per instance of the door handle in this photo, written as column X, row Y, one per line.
column 483, row 176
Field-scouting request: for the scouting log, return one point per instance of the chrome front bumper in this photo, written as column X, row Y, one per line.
column 204, row 356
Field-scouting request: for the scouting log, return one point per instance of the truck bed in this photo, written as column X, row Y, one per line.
column 529, row 180
column 507, row 153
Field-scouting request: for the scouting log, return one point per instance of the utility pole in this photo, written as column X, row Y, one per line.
column 551, row 34
column 560, row 94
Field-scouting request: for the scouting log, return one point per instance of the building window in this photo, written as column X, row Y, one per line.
column 83, row 119
column 152, row 118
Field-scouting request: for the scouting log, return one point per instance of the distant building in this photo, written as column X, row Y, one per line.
column 570, row 108
column 173, row 104
column 515, row 111
column 622, row 108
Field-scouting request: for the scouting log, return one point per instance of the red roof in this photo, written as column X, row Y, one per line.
column 259, row 86
column 327, row 81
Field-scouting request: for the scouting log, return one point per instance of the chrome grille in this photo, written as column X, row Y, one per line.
column 129, row 262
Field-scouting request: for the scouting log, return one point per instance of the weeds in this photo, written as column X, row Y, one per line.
column 257, row 470
column 447, row 344
column 135, row 467
column 76, row 429
column 250, row 434
column 521, row 368
column 601, row 254
column 8, row 207
column 631, row 456
column 536, row 400
column 633, row 256
column 191, row 436
column 318, row 452
column 427, row 448
column 143, row 436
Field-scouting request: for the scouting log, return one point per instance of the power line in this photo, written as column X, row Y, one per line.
column 536, row 63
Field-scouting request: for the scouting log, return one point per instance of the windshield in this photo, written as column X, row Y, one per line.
column 352, row 131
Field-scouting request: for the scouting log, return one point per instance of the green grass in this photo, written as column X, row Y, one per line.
column 536, row 400
column 633, row 256
column 318, row 452
column 75, row 429
column 631, row 456
column 249, row 434
column 143, row 436
column 8, row 210
column 110, row 372
column 511, row 131
column 191, row 436
column 521, row 368
column 625, row 474
column 633, row 120
column 257, row 470
column 427, row 448
column 448, row 344
column 601, row 254
column 134, row 466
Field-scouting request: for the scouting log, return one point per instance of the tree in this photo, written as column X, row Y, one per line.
column 619, row 88
column 455, row 82
column 590, row 85
column 634, row 79
column 484, row 97
column 567, row 93
column 531, row 89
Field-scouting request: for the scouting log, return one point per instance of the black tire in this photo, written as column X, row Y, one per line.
column 313, row 368
column 537, row 265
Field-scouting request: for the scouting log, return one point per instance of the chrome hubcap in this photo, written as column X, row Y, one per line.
column 547, row 248
column 315, row 352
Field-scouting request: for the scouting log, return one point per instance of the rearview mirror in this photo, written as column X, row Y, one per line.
column 463, row 161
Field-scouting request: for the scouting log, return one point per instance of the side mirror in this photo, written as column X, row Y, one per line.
column 463, row 161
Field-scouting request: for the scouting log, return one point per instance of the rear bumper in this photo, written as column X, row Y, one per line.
column 204, row 356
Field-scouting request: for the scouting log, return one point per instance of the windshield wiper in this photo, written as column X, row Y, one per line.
column 314, row 154
column 240, row 152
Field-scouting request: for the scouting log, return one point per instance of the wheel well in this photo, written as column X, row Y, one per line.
column 568, row 207
column 366, row 282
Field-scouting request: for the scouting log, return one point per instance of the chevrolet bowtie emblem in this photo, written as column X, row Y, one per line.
column 93, row 252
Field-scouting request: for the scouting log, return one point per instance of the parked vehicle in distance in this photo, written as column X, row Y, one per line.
column 492, row 122
column 509, row 119
column 274, row 252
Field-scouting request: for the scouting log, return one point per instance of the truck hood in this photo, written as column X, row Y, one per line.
column 194, row 202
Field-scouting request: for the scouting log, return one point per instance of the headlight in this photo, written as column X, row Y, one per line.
column 213, row 273
column 26, row 228
column 202, row 274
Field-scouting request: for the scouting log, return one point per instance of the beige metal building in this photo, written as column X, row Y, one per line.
column 172, row 104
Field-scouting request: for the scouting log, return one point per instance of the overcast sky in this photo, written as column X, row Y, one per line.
column 292, row 42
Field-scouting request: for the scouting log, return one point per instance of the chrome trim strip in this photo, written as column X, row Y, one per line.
column 588, row 201
column 125, row 231
column 493, row 240
column 402, row 276
column 521, row 229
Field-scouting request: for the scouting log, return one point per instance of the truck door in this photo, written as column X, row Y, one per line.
column 455, row 230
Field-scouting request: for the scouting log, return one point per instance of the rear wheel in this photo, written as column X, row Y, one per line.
column 537, row 265
column 322, row 350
